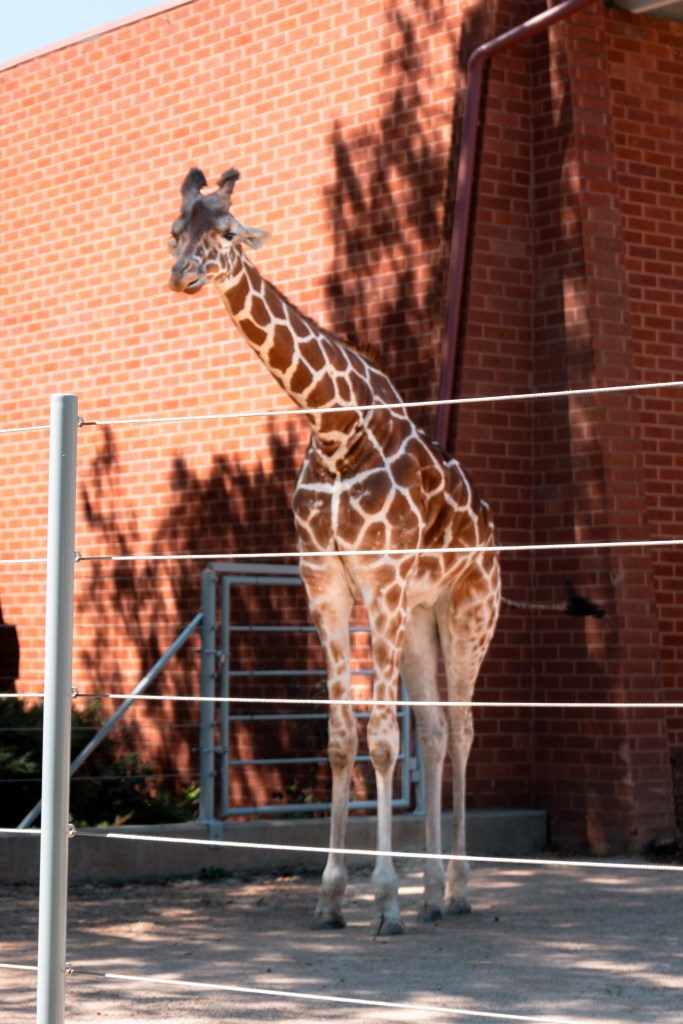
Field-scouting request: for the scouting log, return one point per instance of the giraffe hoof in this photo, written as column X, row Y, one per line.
column 326, row 922
column 459, row 906
column 388, row 926
column 430, row 912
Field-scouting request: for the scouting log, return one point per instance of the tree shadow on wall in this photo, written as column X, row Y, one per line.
column 572, row 499
column 390, row 206
column 130, row 612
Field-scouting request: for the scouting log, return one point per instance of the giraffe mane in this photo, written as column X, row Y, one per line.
column 363, row 349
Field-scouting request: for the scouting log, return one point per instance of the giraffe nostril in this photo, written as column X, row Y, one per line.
column 194, row 285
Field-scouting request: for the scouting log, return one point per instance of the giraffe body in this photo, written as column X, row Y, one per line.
column 375, row 504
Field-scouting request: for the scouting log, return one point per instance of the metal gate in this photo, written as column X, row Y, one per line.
column 220, row 669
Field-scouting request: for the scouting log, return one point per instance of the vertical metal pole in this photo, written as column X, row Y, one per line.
column 207, row 737
column 225, row 692
column 57, row 709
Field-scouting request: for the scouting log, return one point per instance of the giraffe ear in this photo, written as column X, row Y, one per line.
column 194, row 181
column 253, row 237
column 227, row 182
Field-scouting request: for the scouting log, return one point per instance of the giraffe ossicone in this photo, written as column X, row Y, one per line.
column 371, row 482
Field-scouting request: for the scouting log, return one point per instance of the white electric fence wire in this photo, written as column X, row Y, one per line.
column 533, row 862
column 19, row 696
column 216, row 556
column 278, row 993
column 529, row 862
column 603, row 705
column 294, row 410
column 392, row 552
column 274, row 993
column 24, row 430
column 369, row 701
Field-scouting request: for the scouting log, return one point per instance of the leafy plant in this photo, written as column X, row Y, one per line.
column 112, row 788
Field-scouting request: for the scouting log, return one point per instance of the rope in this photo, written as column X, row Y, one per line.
column 534, row 862
column 401, row 854
column 220, row 556
column 370, row 701
column 272, row 413
column 207, row 986
column 19, row 696
column 24, row 430
column 394, row 552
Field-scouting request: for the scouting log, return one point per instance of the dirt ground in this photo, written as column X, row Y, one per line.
column 546, row 944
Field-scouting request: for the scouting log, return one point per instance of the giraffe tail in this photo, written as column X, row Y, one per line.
column 575, row 604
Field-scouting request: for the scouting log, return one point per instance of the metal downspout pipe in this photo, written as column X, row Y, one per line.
column 464, row 188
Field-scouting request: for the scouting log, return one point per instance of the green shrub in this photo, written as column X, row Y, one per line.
column 110, row 788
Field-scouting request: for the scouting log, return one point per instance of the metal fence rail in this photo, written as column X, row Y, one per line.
column 219, row 671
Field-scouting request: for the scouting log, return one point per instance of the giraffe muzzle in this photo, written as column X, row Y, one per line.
column 188, row 280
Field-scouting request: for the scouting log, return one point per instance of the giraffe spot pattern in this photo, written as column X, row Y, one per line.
column 282, row 349
column 259, row 313
column 256, row 335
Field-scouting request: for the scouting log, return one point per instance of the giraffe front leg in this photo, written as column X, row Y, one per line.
column 383, row 742
column 343, row 742
column 385, row 603
column 330, row 603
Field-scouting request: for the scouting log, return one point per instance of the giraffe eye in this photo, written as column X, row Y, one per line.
column 229, row 235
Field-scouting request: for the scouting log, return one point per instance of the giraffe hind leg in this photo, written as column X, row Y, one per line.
column 387, row 625
column 383, row 742
column 419, row 665
column 466, row 620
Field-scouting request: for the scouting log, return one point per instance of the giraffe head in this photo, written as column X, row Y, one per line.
column 205, row 233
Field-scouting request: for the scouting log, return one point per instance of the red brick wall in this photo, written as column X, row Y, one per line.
column 343, row 124
column 589, row 479
column 605, row 775
column 553, row 217
column 647, row 88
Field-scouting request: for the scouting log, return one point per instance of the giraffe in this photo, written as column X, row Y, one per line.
column 380, row 513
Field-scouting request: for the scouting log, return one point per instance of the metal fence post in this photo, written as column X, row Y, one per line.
column 57, row 710
column 207, row 710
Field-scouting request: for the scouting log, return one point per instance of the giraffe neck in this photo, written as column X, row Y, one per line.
column 315, row 369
